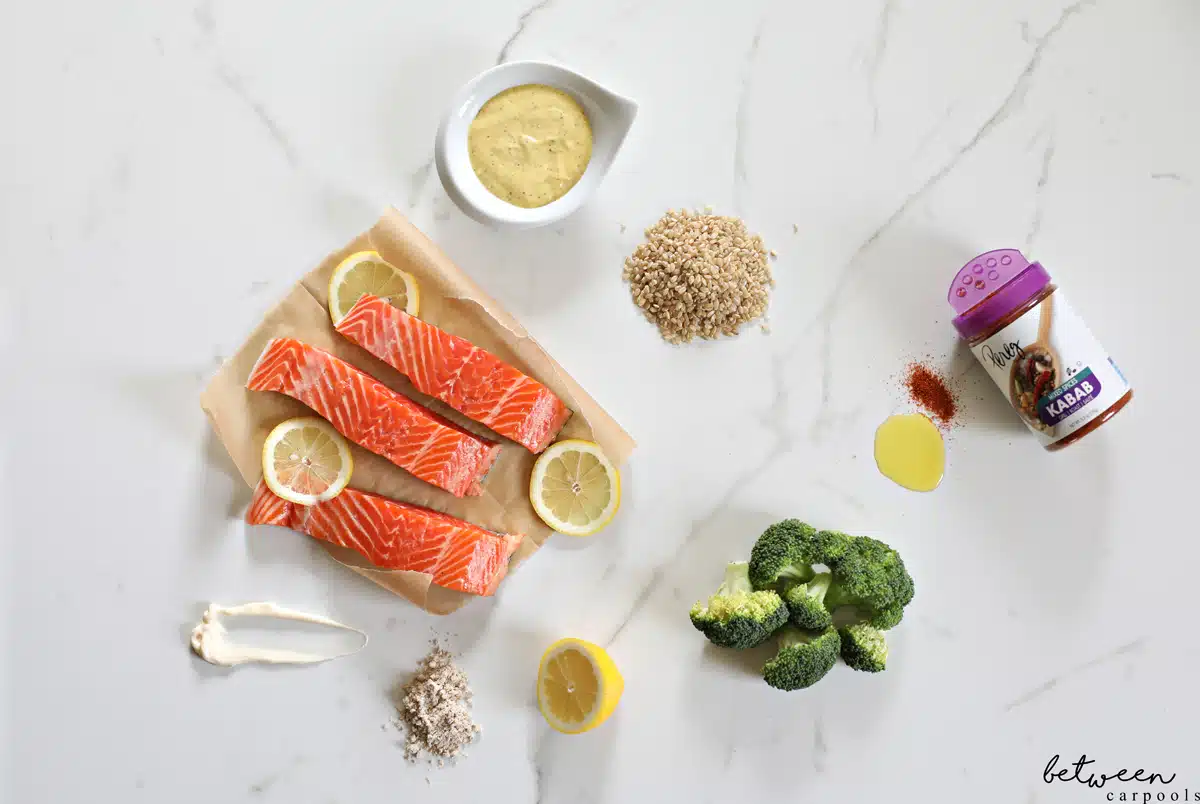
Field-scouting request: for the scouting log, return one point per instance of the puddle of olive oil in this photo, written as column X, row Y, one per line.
column 909, row 451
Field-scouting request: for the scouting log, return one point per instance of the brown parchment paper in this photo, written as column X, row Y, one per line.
column 449, row 299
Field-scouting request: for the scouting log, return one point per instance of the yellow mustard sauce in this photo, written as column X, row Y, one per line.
column 530, row 144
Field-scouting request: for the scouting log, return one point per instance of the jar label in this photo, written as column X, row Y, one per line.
column 1052, row 369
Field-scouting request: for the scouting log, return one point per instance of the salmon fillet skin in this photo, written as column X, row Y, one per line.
column 474, row 382
column 397, row 536
column 375, row 417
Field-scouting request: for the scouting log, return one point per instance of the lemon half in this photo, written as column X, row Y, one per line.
column 578, row 686
column 306, row 461
column 366, row 272
column 575, row 488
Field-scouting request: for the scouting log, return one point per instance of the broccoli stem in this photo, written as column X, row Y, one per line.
column 818, row 587
column 790, row 635
column 737, row 579
column 796, row 574
column 836, row 597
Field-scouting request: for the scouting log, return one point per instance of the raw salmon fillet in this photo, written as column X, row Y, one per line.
column 375, row 417
column 397, row 536
column 477, row 384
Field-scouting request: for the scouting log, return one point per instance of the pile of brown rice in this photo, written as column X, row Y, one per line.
column 699, row 275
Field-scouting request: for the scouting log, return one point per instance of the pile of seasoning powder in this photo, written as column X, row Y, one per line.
column 434, row 709
column 927, row 389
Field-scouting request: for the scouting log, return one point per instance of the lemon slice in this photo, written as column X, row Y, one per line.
column 367, row 272
column 574, row 488
column 578, row 686
column 306, row 461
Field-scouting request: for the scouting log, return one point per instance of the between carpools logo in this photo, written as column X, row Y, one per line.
column 1140, row 786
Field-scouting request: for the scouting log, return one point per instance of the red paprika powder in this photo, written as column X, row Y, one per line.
column 929, row 391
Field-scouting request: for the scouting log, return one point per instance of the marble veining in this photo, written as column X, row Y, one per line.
column 522, row 22
column 1052, row 682
column 875, row 59
column 237, row 85
column 740, row 120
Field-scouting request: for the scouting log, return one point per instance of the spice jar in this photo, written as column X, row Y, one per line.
column 1036, row 347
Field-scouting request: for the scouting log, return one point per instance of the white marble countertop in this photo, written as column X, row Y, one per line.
column 169, row 171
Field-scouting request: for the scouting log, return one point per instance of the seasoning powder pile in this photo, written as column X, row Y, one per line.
column 928, row 389
column 434, row 709
column 699, row 275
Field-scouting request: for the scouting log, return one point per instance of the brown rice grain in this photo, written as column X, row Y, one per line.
column 699, row 275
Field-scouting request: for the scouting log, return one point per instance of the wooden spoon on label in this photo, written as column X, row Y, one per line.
column 1039, row 349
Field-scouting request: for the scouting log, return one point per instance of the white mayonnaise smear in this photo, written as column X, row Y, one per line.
column 211, row 642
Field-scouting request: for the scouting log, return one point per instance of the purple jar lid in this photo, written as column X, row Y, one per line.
column 991, row 286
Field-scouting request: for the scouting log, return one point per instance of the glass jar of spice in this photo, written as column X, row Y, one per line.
column 1036, row 348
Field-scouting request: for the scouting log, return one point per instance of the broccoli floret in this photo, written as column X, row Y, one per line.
column 864, row 648
column 864, row 574
column 831, row 546
column 886, row 619
column 806, row 602
column 736, row 616
column 870, row 576
column 786, row 552
column 803, row 658
column 807, row 605
column 782, row 553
